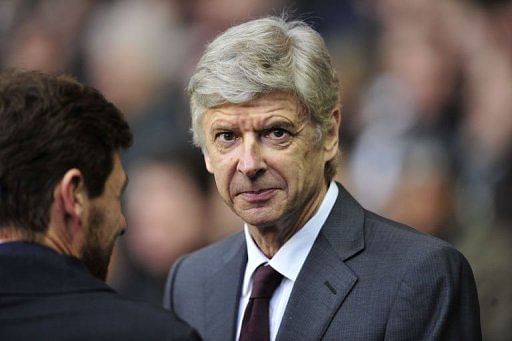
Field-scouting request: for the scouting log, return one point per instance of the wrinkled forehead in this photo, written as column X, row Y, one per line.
column 263, row 107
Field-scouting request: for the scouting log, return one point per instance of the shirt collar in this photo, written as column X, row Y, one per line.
column 291, row 256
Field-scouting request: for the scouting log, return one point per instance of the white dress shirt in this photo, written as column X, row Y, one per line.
column 287, row 261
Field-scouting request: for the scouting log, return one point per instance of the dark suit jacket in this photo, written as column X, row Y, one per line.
column 47, row 296
column 366, row 278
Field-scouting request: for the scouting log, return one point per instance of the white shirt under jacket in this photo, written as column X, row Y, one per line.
column 287, row 261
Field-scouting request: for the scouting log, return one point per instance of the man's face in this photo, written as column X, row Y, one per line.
column 105, row 223
column 267, row 161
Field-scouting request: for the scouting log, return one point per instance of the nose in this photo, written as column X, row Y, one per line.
column 251, row 162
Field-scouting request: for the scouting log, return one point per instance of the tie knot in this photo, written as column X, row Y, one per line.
column 265, row 282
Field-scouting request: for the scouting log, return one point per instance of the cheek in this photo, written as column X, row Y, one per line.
column 296, row 161
column 302, row 166
column 224, row 170
column 114, row 220
column 115, row 209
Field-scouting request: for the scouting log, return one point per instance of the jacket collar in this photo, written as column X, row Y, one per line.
column 325, row 280
column 28, row 268
column 224, row 288
column 344, row 229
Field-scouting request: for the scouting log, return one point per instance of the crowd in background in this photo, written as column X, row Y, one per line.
column 426, row 129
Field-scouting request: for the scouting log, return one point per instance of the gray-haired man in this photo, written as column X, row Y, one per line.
column 311, row 263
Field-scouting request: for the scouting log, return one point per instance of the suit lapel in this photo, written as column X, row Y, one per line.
column 324, row 280
column 223, row 294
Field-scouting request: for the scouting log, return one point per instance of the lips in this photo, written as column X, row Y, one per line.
column 257, row 195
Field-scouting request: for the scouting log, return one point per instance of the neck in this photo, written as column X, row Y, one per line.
column 271, row 238
column 17, row 235
column 58, row 245
column 12, row 234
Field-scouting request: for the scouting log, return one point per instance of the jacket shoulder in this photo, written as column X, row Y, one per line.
column 409, row 247
column 378, row 228
column 91, row 315
column 209, row 259
column 433, row 284
column 189, row 283
column 143, row 320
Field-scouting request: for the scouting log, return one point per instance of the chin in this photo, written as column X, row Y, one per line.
column 261, row 220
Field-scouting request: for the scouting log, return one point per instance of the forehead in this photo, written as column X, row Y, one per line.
column 258, row 111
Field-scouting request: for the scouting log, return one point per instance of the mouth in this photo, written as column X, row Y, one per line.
column 258, row 195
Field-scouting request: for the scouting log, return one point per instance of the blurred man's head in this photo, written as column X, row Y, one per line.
column 60, row 174
column 165, row 185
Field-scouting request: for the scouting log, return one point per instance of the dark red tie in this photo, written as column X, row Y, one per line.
column 255, row 324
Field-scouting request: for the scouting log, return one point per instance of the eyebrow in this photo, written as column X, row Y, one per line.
column 222, row 124
column 280, row 123
column 270, row 122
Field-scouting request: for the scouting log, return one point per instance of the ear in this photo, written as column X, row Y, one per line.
column 331, row 136
column 71, row 195
column 207, row 161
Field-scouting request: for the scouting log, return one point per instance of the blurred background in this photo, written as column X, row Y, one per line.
column 426, row 131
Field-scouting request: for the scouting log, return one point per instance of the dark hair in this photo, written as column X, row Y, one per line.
column 48, row 125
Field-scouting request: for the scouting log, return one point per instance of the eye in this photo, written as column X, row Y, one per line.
column 225, row 137
column 277, row 134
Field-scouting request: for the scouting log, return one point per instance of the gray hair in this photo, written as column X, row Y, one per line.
column 260, row 57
